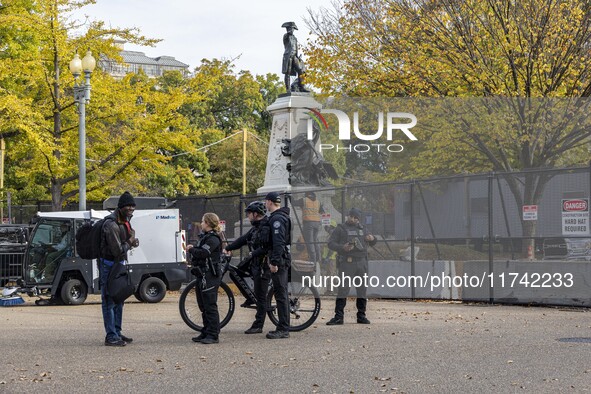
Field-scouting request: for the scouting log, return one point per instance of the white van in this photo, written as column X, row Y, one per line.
column 157, row 265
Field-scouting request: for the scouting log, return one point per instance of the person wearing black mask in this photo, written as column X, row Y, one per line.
column 118, row 239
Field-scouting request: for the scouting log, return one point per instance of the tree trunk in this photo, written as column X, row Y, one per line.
column 56, row 196
column 528, row 193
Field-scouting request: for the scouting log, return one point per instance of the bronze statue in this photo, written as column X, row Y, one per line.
column 292, row 61
column 307, row 167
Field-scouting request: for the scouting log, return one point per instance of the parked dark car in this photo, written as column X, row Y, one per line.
column 13, row 242
column 567, row 249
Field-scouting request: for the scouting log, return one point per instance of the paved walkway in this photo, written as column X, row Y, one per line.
column 409, row 347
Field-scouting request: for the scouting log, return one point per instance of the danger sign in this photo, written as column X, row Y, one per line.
column 575, row 205
column 575, row 216
column 530, row 212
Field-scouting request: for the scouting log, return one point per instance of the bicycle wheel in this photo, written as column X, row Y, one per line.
column 190, row 310
column 304, row 306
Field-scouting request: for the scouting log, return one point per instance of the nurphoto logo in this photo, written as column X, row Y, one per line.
column 393, row 125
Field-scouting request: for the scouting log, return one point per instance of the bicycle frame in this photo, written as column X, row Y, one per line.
column 244, row 288
column 304, row 301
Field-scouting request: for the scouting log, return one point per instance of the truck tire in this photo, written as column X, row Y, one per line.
column 138, row 296
column 152, row 290
column 74, row 292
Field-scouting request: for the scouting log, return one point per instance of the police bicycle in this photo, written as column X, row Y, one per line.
column 304, row 301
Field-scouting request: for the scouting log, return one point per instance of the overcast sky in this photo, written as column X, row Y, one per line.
column 192, row 29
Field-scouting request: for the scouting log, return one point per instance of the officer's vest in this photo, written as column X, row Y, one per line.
column 260, row 237
column 311, row 210
column 353, row 233
column 214, row 258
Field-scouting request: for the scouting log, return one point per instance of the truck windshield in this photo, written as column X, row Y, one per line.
column 50, row 243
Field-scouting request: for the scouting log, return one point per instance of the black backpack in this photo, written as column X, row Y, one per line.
column 89, row 239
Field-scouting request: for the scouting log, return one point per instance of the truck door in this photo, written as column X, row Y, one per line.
column 51, row 241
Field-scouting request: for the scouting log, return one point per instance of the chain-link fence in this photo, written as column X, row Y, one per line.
column 504, row 237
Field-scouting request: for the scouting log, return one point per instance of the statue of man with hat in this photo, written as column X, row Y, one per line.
column 292, row 61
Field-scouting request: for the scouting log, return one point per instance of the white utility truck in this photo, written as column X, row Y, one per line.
column 58, row 272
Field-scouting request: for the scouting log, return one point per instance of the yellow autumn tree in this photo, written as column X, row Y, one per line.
column 468, row 48
column 131, row 126
column 528, row 62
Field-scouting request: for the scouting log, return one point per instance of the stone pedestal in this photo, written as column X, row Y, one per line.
column 290, row 118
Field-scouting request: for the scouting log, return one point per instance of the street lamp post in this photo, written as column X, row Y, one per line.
column 82, row 96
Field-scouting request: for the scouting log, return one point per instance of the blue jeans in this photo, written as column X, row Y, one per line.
column 112, row 312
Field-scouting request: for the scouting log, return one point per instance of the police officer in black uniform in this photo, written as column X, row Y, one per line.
column 350, row 241
column 205, row 257
column 258, row 240
column 279, row 260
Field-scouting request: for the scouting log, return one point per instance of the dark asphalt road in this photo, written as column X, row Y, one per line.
column 409, row 347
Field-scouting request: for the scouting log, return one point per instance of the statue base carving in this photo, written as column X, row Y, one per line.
column 290, row 118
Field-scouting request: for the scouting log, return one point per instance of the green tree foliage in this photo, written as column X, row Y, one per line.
column 128, row 122
column 270, row 87
column 144, row 135
column 221, row 102
column 226, row 162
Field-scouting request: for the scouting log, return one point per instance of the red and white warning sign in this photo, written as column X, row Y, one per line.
column 575, row 216
column 222, row 225
column 326, row 219
column 530, row 212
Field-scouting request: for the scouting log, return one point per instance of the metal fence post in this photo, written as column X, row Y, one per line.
column 9, row 204
column 343, row 209
column 412, row 238
column 241, row 201
column 490, row 232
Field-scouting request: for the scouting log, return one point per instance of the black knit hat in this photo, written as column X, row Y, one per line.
column 355, row 213
column 125, row 200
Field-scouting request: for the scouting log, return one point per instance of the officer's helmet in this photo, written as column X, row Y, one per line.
column 256, row 207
